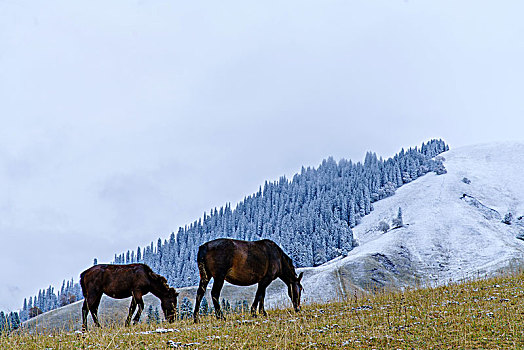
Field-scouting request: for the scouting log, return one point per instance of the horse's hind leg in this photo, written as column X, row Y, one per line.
column 92, row 304
column 215, row 295
column 140, row 304
column 200, row 294
column 254, row 305
column 85, row 312
column 132, row 308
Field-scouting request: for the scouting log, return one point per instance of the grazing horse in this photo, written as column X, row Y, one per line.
column 245, row 263
column 123, row 281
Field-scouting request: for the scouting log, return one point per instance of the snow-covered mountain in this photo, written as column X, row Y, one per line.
column 452, row 229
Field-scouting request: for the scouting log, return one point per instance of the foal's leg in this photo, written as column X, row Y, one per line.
column 200, row 294
column 215, row 295
column 131, row 310
column 140, row 303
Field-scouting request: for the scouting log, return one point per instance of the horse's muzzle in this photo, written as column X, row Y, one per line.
column 297, row 309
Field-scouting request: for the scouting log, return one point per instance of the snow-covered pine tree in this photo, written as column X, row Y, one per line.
column 3, row 323
column 150, row 315
column 14, row 320
column 186, row 308
column 156, row 315
column 204, row 307
column 138, row 255
column 398, row 221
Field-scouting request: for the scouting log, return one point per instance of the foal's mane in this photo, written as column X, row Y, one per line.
column 159, row 279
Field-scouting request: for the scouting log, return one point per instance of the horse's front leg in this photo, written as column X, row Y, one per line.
column 259, row 298
column 140, row 303
column 261, row 302
column 255, row 303
column 131, row 310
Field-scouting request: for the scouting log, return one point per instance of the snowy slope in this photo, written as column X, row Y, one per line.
column 452, row 230
column 450, row 235
column 446, row 235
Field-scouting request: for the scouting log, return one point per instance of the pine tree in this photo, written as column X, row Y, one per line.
column 25, row 311
column 204, row 307
column 245, row 306
column 138, row 255
column 508, row 218
column 3, row 323
column 157, row 315
column 398, row 222
column 186, row 308
column 14, row 321
column 150, row 315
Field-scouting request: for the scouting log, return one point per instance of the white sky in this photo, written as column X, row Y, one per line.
column 121, row 121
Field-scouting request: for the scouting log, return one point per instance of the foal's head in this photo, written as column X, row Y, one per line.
column 169, row 303
column 294, row 291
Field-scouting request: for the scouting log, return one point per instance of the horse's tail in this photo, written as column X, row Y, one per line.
column 201, row 261
column 83, row 284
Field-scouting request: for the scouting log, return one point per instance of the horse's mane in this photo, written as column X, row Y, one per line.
column 288, row 261
column 157, row 278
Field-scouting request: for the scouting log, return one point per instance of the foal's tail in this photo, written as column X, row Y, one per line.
column 201, row 261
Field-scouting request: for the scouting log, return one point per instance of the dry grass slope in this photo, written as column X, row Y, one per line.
column 481, row 314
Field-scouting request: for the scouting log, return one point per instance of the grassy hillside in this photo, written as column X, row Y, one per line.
column 487, row 313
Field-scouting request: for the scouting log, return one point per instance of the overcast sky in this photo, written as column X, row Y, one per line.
column 121, row 120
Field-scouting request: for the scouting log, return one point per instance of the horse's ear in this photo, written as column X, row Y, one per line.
column 300, row 276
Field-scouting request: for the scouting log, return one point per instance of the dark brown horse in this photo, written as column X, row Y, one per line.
column 123, row 281
column 245, row 263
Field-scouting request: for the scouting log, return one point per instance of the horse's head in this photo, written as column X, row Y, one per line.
column 294, row 290
column 169, row 303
